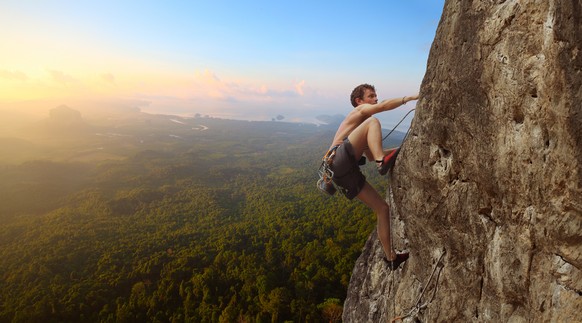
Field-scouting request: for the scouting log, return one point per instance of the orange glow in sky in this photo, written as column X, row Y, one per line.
column 190, row 57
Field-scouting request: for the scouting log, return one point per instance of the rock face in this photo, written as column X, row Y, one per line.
column 490, row 175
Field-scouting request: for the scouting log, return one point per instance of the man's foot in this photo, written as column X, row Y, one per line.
column 386, row 163
column 400, row 258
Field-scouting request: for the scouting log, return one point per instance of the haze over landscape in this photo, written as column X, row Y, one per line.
column 249, row 61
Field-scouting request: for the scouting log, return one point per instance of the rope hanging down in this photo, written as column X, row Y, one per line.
column 417, row 306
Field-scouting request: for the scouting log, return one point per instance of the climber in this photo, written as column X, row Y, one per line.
column 359, row 134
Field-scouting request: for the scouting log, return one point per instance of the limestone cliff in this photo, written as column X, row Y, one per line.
column 490, row 173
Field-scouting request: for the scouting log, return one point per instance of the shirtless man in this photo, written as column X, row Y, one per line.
column 359, row 134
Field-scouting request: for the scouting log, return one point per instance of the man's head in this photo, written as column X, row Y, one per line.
column 362, row 94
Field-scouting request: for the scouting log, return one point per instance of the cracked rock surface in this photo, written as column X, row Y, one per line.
column 491, row 173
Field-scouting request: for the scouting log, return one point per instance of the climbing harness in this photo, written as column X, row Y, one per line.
column 417, row 306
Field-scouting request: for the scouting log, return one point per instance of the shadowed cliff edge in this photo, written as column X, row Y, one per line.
column 487, row 191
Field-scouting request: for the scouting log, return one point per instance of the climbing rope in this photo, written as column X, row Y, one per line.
column 396, row 126
column 417, row 306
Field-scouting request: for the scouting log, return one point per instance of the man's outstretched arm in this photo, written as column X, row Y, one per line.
column 371, row 109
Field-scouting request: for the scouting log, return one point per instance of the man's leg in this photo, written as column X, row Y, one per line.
column 368, row 135
column 372, row 199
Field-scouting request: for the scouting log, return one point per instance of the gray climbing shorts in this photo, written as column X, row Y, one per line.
column 346, row 171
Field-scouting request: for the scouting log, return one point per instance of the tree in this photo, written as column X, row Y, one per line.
column 276, row 302
column 331, row 310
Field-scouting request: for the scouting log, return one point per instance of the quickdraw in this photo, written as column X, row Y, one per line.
column 325, row 182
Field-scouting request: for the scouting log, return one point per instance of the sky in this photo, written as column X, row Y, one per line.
column 249, row 60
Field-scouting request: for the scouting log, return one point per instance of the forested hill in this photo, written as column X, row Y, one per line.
column 161, row 218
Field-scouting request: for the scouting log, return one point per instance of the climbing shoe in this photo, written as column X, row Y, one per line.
column 400, row 258
column 386, row 163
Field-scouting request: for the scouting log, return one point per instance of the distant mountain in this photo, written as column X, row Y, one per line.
column 65, row 115
column 335, row 119
column 63, row 123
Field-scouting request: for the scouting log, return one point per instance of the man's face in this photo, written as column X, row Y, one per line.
column 369, row 97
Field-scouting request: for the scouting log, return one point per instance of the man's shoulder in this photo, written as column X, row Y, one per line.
column 363, row 109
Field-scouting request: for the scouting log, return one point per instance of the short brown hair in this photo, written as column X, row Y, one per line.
column 358, row 92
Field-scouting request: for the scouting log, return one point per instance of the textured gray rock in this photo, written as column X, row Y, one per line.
column 491, row 173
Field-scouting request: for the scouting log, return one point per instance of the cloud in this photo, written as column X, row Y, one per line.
column 263, row 89
column 299, row 87
column 13, row 75
column 207, row 92
column 108, row 78
column 210, row 86
column 62, row 78
column 207, row 77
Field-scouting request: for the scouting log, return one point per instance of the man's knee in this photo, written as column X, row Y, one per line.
column 373, row 121
column 381, row 208
column 384, row 208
